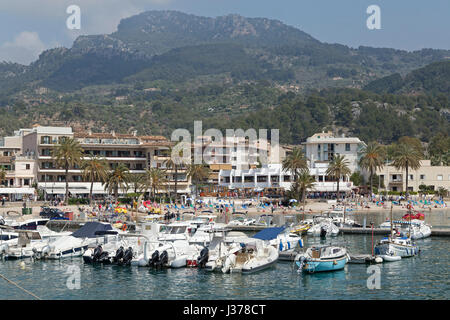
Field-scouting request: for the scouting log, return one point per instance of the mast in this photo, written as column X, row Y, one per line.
column 392, row 222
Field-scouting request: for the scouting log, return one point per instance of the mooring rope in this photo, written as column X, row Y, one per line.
column 12, row 282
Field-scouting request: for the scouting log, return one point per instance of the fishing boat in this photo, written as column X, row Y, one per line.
column 396, row 244
column 322, row 258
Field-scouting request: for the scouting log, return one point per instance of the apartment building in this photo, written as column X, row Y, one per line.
column 395, row 179
column 320, row 149
column 137, row 153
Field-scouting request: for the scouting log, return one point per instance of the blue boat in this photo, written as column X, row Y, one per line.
column 322, row 258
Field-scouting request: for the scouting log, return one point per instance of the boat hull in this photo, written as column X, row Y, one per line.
column 396, row 250
column 317, row 265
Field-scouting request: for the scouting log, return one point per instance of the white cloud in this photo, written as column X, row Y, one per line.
column 97, row 17
column 24, row 49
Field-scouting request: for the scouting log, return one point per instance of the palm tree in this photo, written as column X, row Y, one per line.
column 372, row 158
column 406, row 156
column 304, row 183
column 172, row 164
column 197, row 173
column 138, row 181
column 94, row 169
column 155, row 179
column 337, row 168
column 68, row 154
column 295, row 162
column 2, row 175
column 118, row 178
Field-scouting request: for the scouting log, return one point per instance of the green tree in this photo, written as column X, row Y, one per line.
column 439, row 149
column 117, row 178
column 2, row 175
column 67, row 154
column 406, row 156
column 198, row 173
column 304, row 183
column 94, row 169
column 372, row 158
column 138, row 182
column 337, row 168
column 155, row 179
column 357, row 178
column 295, row 162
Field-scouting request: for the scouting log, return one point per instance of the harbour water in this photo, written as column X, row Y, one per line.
column 423, row 277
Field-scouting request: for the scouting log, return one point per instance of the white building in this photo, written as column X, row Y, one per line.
column 319, row 149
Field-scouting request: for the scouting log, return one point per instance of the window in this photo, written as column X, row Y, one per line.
column 439, row 177
column 26, row 182
column 411, row 177
column 45, row 140
column 422, row 177
column 27, row 166
column 347, row 147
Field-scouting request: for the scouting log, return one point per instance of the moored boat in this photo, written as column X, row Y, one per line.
column 322, row 258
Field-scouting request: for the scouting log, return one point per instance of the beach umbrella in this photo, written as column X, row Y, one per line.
column 293, row 200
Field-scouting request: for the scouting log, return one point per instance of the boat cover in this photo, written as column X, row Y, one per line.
column 93, row 229
column 269, row 233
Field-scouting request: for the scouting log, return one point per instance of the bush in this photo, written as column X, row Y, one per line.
column 126, row 200
column 73, row 201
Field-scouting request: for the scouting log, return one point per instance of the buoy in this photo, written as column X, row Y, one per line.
column 22, row 265
column 378, row 259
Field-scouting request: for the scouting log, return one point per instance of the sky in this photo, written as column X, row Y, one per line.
column 27, row 27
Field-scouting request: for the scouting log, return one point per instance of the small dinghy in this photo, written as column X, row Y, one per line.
column 390, row 257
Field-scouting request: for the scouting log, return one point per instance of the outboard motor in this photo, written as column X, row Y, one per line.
column 302, row 261
column 126, row 260
column 323, row 232
column 203, row 258
column 154, row 258
column 119, row 254
column 97, row 253
column 163, row 259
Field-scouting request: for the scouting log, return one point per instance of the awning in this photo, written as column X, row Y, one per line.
column 17, row 190
column 94, row 229
column 268, row 233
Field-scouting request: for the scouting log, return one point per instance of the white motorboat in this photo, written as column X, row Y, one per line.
column 241, row 221
column 120, row 250
column 173, row 254
column 245, row 255
column 280, row 238
column 254, row 255
column 416, row 229
column 324, row 227
column 7, row 239
column 396, row 246
column 28, row 241
column 74, row 245
column 29, row 224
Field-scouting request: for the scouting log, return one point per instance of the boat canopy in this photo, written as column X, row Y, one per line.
column 269, row 233
column 93, row 229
